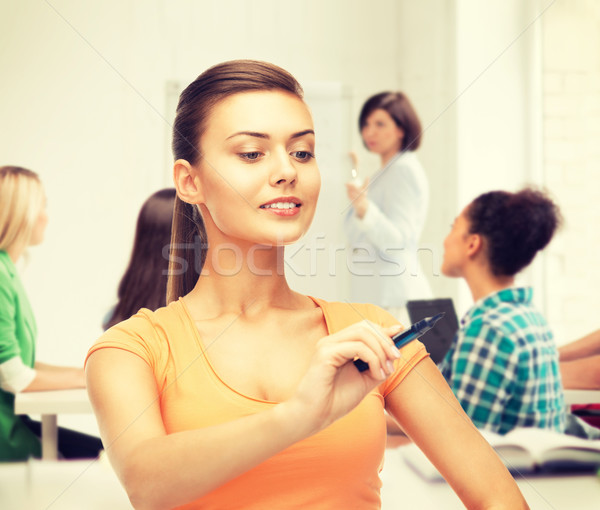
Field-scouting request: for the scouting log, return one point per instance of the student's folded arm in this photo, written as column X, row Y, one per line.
column 584, row 347
column 581, row 374
column 423, row 401
column 51, row 377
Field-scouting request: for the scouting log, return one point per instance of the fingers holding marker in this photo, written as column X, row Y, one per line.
column 367, row 344
column 384, row 346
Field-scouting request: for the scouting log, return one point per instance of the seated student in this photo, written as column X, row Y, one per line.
column 580, row 363
column 503, row 364
column 580, row 370
column 144, row 284
column 23, row 220
column 242, row 393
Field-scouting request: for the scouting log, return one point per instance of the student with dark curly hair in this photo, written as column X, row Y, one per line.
column 503, row 366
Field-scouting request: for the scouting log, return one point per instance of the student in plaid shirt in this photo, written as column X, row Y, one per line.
column 503, row 365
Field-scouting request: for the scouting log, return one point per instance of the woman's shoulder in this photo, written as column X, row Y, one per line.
column 148, row 323
column 407, row 168
column 8, row 289
column 407, row 160
column 343, row 313
column 6, row 266
column 147, row 333
column 503, row 327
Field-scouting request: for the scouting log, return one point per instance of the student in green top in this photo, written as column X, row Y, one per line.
column 23, row 220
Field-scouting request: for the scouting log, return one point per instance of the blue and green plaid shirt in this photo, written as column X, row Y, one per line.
column 503, row 365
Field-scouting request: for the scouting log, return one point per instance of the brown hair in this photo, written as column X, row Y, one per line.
column 403, row 113
column 515, row 226
column 144, row 283
column 193, row 111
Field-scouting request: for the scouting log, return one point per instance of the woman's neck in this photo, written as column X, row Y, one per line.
column 482, row 282
column 387, row 157
column 15, row 252
column 242, row 281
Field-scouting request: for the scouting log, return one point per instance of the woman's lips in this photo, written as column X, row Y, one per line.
column 282, row 208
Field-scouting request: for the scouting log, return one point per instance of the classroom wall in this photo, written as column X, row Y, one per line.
column 498, row 126
column 571, row 123
column 473, row 69
column 84, row 92
column 427, row 51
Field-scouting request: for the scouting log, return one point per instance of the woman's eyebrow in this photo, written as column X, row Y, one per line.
column 302, row 133
column 249, row 133
column 267, row 137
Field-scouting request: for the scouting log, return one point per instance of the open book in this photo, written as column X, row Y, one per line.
column 525, row 450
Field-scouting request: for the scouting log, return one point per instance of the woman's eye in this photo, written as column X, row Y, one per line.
column 303, row 155
column 250, row 156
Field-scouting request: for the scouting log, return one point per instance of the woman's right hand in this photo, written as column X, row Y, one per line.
column 332, row 385
column 357, row 194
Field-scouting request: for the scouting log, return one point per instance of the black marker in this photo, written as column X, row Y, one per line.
column 417, row 330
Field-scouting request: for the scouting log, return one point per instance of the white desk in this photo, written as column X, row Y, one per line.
column 405, row 488
column 69, row 485
column 582, row 397
column 61, row 485
column 50, row 404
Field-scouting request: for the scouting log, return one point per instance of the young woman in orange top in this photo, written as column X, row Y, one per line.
column 242, row 393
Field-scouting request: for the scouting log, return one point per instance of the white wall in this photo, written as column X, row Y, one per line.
column 498, row 124
column 427, row 74
column 473, row 71
column 571, row 56
column 83, row 102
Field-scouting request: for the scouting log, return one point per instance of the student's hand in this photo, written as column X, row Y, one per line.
column 332, row 385
column 357, row 193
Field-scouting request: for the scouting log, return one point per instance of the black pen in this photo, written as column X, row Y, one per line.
column 417, row 330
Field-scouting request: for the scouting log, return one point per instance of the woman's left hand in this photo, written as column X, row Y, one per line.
column 357, row 193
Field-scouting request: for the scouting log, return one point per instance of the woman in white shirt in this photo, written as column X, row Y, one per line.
column 389, row 209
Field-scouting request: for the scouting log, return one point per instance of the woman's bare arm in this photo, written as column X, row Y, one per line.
column 586, row 346
column 428, row 412
column 581, row 374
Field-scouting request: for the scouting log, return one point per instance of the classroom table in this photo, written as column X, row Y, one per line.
column 61, row 485
column 582, row 397
column 49, row 404
column 91, row 484
column 403, row 488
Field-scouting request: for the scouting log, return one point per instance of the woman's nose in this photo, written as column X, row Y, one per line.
column 284, row 171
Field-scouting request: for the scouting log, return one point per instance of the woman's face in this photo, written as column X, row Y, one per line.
column 258, row 172
column 455, row 247
column 381, row 134
column 39, row 228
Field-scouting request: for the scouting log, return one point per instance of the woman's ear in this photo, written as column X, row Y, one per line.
column 187, row 182
column 400, row 133
column 474, row 245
